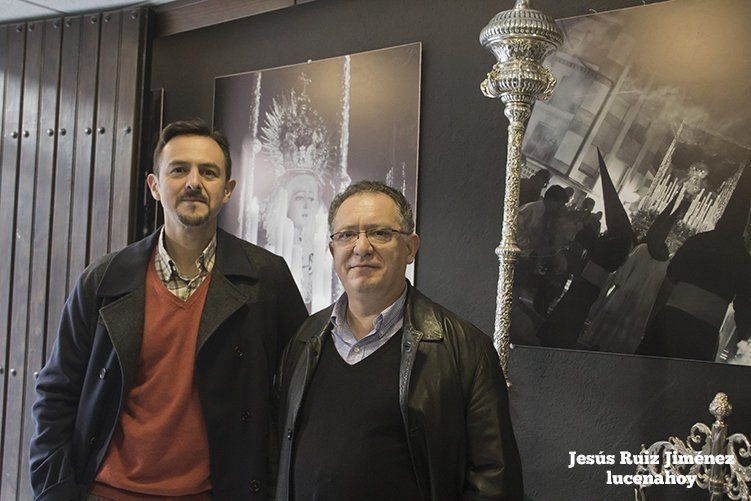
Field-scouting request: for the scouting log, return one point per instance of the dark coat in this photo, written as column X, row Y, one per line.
column 252, row 309
column 453, row 401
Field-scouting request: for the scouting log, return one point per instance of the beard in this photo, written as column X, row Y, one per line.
column 193, row 219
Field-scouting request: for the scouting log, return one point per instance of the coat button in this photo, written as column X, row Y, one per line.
column 103, row 373
column 246, row 415
column 289, row 434
column 255, row 485
column 238, row 351
column 92, row 440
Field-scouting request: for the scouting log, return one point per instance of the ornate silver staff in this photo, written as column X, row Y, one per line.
column 520, row 39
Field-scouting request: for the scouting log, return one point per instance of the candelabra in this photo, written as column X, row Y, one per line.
column 520, row 39
column 720, row 480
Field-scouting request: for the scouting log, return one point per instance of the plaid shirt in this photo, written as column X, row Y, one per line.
column 177, row 283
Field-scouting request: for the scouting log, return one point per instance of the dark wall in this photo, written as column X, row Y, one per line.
column 562, row 400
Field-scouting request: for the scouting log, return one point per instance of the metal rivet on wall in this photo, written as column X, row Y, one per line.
column 2, row 370
column 107, row 18
column 127, row 129
column 13, row 372
column 25, row 133
column 101, row 130
column 68, row 23
column 19, row 28
column 31, row 27
column 87, row 130
column 50, row 132
column 93, row 19
column 14, row 134
column 134, row 15
column 56, row 24
column 63, row 132
column 36, row 374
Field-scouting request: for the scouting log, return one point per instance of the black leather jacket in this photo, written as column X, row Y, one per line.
column 452, row 396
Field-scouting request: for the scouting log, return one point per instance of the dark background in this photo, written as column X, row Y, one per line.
column 561, row 400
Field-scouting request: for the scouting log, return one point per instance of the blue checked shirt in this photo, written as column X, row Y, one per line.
column 385, row 325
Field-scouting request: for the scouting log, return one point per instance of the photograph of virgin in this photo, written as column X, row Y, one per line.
column 303, row 133
column 635, row 196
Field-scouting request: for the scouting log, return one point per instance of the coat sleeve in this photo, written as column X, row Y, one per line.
column 58, row 390
column 493, row 463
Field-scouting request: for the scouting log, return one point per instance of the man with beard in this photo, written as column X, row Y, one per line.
column 158, row 385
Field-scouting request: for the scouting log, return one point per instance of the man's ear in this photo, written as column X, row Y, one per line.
column 331, row 248
column 413, row 243
column 228, row 189
column 153, row 183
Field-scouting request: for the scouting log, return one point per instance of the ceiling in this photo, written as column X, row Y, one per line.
column 17, row 10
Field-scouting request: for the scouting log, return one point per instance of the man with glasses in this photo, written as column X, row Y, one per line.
column 386, row 394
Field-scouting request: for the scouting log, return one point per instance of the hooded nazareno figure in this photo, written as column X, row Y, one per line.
column 709, row 271
column 606, row 253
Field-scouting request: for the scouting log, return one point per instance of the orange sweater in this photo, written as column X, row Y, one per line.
column 160, row 447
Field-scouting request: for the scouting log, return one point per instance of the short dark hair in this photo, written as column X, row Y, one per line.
column 402, row 205
column 192, row 127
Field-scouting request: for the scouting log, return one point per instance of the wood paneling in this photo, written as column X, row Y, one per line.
column 26, row 178
column 69, row 89
column 11, row 139
column 65, row 159
column 88, row 59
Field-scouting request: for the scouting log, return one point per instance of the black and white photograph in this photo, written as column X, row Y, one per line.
column 300, row 134
column 634, row 200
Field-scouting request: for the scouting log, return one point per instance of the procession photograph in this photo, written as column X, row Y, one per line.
column 633, row 225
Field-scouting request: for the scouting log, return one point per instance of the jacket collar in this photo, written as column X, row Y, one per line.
column 419, row 318
column 120, row 277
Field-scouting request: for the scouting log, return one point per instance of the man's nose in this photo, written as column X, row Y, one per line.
column 362, row 245
column 193, row 180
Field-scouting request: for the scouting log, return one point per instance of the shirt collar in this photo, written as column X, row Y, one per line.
column 203, row 263
column 386, row 318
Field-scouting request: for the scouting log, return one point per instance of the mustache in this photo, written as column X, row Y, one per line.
column 194, row 195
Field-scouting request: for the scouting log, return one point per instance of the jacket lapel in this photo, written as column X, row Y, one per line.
column 123, row 319
column 224, row 298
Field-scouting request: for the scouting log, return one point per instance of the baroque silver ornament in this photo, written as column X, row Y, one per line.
column 520, row 39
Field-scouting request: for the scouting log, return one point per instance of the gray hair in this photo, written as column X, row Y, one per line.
column 402, row 205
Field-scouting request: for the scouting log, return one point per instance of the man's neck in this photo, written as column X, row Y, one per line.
column 362, row 310
column 185, row 243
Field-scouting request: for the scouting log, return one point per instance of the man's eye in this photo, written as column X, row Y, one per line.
column 346, row 235
column 178, row 170
column 381, row 233
column 210, row 173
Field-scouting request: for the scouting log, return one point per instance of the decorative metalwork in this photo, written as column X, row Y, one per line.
column 730, row 479
column 520, row 39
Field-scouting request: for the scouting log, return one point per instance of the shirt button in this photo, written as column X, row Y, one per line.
column 246, row 416
column 357, row 349
column 103, row 373
column 238, row 351
column 289, row 434
column 255, row 485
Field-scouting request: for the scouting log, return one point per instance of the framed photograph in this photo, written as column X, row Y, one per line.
column 301, row 134
column 636, row 191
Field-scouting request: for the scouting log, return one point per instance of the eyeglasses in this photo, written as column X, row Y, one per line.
column 374, row 236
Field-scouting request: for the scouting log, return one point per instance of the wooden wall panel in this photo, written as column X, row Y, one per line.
column 61, row 219
column 9, row 164
column 23, row 234
column 84, row 149
column 48, row 102
column 70, row 97
column 127, row 130
column 104, row 134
